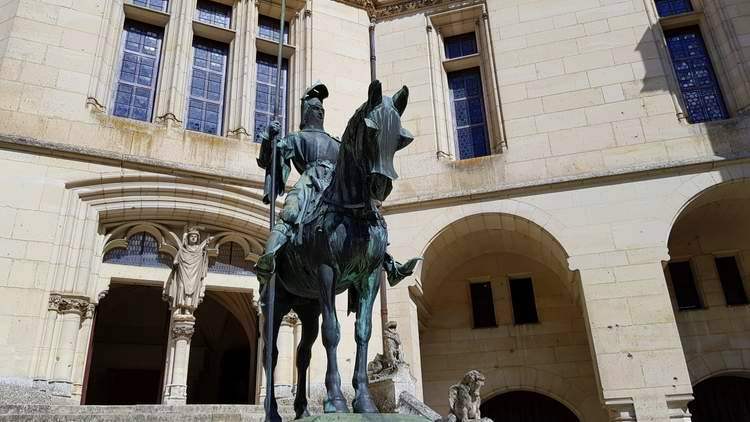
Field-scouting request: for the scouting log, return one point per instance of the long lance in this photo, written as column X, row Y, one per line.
column 271, row 298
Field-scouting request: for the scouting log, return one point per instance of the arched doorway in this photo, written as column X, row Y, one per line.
column 128, row 347
column 721, row 399
column 526, row 406
column 222, row 355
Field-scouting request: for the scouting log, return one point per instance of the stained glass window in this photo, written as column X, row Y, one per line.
column 136, row 83
column 213, row 13
column 231, row 260
column 270, row 28
column 460, row 45
column 265, row 92
column 468, row 113
column 160, row 5
column 673, row 7
column 142, row 251
column 206, row 101
column 695, row 75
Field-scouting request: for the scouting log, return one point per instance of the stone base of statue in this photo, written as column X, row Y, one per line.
column 386, row 387
column 363, row 417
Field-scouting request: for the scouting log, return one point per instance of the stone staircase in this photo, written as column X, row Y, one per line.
column 138, row 413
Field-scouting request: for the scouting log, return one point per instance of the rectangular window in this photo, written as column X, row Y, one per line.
column 160, row 5
column 207, row 85
column 270, row 28
column 213, row 13
column 468, row 113
column 673, row 7
column 731, row 280
column 695, row 75
column 136, row 83
column 684, row 286
column 524, row 304
column 460, row 45
column 482, row 305
column 265, row 92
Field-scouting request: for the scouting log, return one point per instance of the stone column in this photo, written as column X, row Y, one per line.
column 633, row 333
column 284, row 373
column 71, row 308
column 181, row 332
column 42, row 372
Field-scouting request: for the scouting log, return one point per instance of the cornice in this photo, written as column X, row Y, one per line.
column 380, row 10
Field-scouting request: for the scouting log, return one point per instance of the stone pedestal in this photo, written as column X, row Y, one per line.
column 387, row 389
column 181, row 332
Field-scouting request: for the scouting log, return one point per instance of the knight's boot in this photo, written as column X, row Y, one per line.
column 266, row 265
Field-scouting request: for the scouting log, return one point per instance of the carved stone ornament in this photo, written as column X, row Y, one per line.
column 66, row 304
column 464, row 399
column 54, row 302
column 392, row 357
column 183, row 326
column 379, row 11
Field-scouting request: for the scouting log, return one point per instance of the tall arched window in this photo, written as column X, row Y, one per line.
column 142, row 251
column 231, row 260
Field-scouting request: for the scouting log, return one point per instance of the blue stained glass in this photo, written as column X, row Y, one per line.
column 695, row 75
column 460, row 45
column 468, row 113
column 265, row 92
column 213, row 13
column 231, row 260
column 207, row 86
column 673, row 7
column 270, row 28
column 136, row 83
column 142, row 251
column 160, row 5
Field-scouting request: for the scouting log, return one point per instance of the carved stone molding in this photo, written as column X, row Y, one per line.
column 183, row 327
column 54, row 302
column 69, row 303
column 379, row 9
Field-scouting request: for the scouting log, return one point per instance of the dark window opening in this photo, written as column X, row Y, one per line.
column 673, row 7
column 731, row 280
column 136, row 85
column 265, row 92
column 468, row 113
column 684, row 286
column 524, row 304
column 695, row 75
column 270, row 28
column 460, row 45
column 482, row 305
column 213, row 13
column 207, row 86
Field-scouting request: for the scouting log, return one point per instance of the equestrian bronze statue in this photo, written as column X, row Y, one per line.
column 331, row 236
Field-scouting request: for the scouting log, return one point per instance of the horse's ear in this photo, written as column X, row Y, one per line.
column 400, row 99
column 374, row 94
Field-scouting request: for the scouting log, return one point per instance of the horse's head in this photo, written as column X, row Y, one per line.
column 383, row 135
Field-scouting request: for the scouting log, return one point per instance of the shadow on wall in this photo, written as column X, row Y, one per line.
column 700, row 120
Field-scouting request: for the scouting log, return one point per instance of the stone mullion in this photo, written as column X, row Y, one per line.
column 639, row 360
column 100, row 86
column 171, row 106
column 240, row 123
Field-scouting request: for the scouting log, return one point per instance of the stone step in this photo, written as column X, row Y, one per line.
column 137, row 413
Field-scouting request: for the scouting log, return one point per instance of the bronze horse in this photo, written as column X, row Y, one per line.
column 343, row 246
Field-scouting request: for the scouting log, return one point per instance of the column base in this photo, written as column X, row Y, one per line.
column 61, row 388
column 175, row 394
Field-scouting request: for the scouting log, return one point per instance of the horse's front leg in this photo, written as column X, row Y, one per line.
column 363, row 402
column 308, row 315
column 280, row 309
column 335, row 403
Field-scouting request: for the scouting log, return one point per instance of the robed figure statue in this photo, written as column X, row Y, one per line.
column 185, row 286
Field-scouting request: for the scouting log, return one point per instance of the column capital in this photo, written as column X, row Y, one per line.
column 183, row 327
column 69, row 303
column 291, row 319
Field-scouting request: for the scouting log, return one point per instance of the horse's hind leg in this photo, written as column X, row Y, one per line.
column 280, row 309
column 308, row 315
column 335, row 403
column 363, row 402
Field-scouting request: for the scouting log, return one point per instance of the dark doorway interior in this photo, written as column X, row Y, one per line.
column 129, row 345
column 221, row 369
column 721, row 399
column 526, row 406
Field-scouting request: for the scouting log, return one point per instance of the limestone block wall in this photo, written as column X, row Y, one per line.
column 555, row 348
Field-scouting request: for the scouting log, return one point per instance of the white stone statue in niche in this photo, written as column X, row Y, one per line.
column 464, row 399
column 185, row 287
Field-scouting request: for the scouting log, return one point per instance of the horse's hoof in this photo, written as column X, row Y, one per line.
column 364, row 404
column 337, row 405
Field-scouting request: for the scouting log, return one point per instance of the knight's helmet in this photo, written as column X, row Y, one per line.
column 314, row 96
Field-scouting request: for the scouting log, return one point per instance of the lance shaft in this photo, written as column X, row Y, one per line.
column 271, row 298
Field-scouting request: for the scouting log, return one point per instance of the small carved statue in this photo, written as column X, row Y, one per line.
column 464, row 399
column 392, row 357
column 185, row 287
